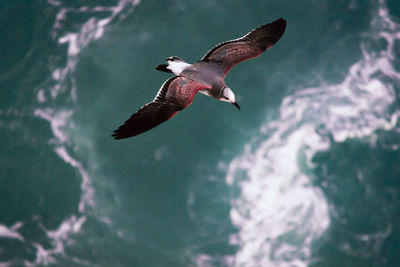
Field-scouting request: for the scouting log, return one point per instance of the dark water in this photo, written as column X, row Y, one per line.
column 307, row 174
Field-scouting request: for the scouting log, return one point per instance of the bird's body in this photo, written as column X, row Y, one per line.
column 206, row 76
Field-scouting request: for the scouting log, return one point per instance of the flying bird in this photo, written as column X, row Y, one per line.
column 206, row 76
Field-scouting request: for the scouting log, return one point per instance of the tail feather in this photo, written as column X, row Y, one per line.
column 175, row 65
column 163, row 67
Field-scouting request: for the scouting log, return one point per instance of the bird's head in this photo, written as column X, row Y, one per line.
column 228, row 96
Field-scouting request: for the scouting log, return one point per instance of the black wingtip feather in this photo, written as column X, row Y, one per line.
column 163, row 67
column 146, row 118
column 116, row 136
column 268, row 34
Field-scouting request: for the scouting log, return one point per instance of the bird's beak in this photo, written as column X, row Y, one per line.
column 236, row 105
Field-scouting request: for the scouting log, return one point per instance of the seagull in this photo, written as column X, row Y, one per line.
column 206, row 76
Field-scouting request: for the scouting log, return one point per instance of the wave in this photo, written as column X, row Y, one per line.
column 59, row 116
column 279, row 214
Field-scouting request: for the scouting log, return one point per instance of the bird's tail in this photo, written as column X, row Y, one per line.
column 163, row 67
column 175, row 65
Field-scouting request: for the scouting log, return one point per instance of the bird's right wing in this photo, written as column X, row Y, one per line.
column 174, row 95
column 253, row 44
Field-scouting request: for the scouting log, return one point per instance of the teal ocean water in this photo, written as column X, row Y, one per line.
column 306, row 174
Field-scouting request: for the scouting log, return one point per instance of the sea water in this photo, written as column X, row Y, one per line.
column 306, row 174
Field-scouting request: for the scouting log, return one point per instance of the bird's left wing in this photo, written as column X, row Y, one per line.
column 174, row 95
column 230, row 53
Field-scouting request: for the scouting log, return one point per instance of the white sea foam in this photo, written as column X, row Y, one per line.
column 91, row 30
column 86, row 185
column 278, row 212
column 12, row 232
column 41, row 96
column 58, row 121
column 58, row 237
column 60, row 118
